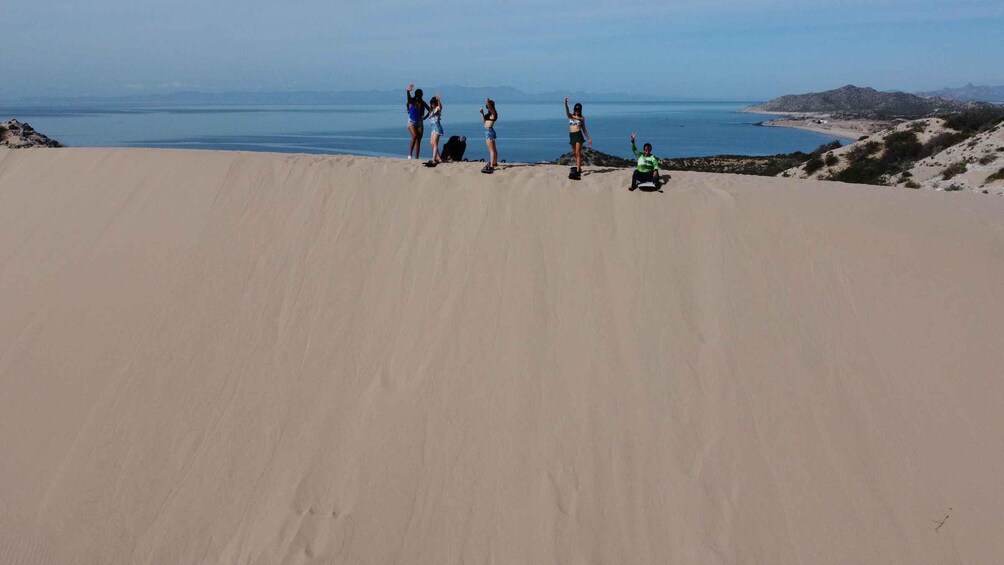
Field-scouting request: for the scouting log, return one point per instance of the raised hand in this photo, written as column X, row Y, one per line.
column 632, row 137
column 411, row 87
column 566, row 100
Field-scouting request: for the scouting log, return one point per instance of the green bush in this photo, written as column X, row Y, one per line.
column 942, row 141
column 901, row 147
column 918, row 127
column 987, row 159
column 999, row 175
column 953, row 169
column 863, row 137
column 859, row 152
column 813, row 165
column 976, row 120
column 911, row 184
column 952, row 188
column 831, row 160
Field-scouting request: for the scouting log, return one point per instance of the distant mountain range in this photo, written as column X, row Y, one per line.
column 462, row 94
column 864, row 102
column 970, row 93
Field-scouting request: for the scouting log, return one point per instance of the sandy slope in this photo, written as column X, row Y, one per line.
column 212, row 357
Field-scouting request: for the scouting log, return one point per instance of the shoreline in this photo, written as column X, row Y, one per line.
column 819, row 122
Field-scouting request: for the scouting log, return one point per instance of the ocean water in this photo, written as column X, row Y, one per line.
column 526, row 132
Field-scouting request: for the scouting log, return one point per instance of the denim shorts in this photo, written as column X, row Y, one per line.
column 489, row 133
column 418, row 124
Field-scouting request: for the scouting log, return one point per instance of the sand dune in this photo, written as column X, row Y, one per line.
column 211, row 357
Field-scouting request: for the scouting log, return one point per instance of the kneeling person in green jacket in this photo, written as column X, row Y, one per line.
column 648, row 165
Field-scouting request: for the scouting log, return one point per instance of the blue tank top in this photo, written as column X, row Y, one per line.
column 415, row 112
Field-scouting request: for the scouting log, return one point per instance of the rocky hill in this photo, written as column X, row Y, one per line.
column 863, row 102
column 16, row 135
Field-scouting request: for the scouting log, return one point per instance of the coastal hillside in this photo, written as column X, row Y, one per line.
column 229, row 357
column 955, row 153
column 863, row 102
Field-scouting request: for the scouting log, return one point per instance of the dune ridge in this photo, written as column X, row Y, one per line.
column 223, row 357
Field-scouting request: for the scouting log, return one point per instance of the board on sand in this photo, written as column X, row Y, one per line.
column 647, row 186
column 574, row 174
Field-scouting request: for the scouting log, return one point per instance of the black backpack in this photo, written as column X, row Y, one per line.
column 454, row 148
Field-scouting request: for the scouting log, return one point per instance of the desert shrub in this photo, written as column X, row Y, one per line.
column 863, row 137
column 942, row 141
column 975, row 120
column 999, row 175
column 952, row 188
column 954, row 169
column 813, row 165
column 863, row 171
column 1001, row 148
column 862, row 151
column 906, row 175
column 831, row 160
column 902, row 146
column 987, row 159
column 918, row 127
column 826, row 147
column 911, row 184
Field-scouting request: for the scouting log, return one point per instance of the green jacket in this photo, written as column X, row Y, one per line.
column 645, row 164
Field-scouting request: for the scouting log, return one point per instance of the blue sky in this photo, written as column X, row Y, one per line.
column 687, row 49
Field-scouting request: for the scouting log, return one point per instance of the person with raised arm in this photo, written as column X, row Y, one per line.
column 647, row 169
column 417, row 109
column 577, row 134
column 489, row 118
column 435, row 118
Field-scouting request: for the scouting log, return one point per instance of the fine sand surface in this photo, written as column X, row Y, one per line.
column 212, row 357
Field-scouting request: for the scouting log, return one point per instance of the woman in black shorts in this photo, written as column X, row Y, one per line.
column 577, row 133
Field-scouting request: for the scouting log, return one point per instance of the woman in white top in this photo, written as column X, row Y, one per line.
column 435, row 118
column 577, row 132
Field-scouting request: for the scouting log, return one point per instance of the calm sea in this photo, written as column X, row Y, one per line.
column 526, row 132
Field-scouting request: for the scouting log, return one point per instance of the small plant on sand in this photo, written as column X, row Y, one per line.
column 953, row 169
column 987, row 159
column 863, row 137
column 911, row 184
column 859, row 152
column 999, row 175
column 952, row 188
column 918, row 127
column 831, row 160
column 813, row 165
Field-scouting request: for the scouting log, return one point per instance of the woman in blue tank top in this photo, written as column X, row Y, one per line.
column 417, row 109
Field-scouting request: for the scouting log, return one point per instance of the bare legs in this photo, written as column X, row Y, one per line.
column 416, row 140
column 434, row 141
column 493, row 154
column 577, row 149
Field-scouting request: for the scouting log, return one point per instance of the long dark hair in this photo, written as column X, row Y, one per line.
column 577, row 109
column 491, row 109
